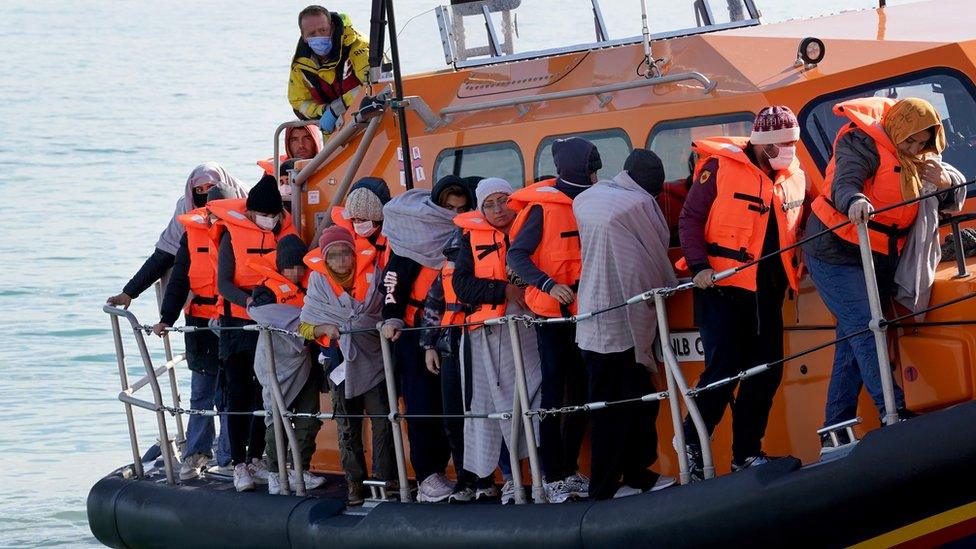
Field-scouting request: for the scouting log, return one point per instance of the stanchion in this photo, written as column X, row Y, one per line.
column 513, row 454
column 124, row 379
column 391, row 395
column 279, row 406
column 876, row 325
column 538, row 493
column 670, row 362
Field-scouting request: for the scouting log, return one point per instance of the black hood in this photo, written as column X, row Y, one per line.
column 452, row 181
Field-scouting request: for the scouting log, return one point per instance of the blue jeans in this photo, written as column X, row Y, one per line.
column 200, row 429
column 843, row 290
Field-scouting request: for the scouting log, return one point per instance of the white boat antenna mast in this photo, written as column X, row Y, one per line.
column 652, row 69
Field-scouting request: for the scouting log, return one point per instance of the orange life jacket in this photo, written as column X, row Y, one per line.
column 202, row 273
column 286, row 292
column 737, row 221
column 418, row 294
column 453, row 309
column 887, row 230
column 316, row 262
column 488, row 248
column 365, row 249
column 249, row 241
column 558, row 254
column 268, row 164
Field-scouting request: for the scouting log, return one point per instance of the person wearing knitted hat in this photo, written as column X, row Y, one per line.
column 484, row 283
column 340, row 301
column 746, row 202
column 277, row 301
column 251, row 229
column 890, row 151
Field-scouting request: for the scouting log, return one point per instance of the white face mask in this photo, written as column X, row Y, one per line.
column 364, row 228
column 285, row 191
column 266, row 222
column 782, row 160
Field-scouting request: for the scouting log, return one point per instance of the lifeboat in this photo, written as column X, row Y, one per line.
column 496, row 112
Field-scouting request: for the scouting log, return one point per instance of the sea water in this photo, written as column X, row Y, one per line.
column 105, row 107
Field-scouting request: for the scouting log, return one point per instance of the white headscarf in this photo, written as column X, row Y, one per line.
column 208, row 172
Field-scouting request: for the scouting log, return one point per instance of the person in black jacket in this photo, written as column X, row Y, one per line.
column 201, row 358
column 201, row 180
column 427, row 218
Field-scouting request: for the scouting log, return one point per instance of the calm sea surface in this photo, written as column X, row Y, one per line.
column 105, row 107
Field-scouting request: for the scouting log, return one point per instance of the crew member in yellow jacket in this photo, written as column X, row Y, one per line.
column 320, row 87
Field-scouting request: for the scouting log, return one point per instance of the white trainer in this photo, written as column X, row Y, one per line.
column 192, row 465
column 274, row 485
column 663, row 482
column 311, row 481
column 434, row 489
column 508, row 492
column 556, row 492
column 626, row 491
column 259, row 470
column 243, row 481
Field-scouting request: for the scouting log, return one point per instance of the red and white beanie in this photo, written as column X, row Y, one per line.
column 773, row 125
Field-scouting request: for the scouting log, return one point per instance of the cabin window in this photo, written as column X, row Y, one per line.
column 671, row 140
column 613, row 144
column 491, row 160
column 949, row 91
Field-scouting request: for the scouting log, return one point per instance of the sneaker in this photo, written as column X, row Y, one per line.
column 243, row 482
column 192, row 465
column 354, row 493
column 751, row 461
column 259, row 470
column 221, row 472
column 577, row 485
column 508, row 493
column 274, row 484
column 488, row 491
column 626, row 491
column 434, row 489
column 311, row 481
column 461, row 494
column 904, row 414
column 663, row 482
column 696, row 467
column 556, row 492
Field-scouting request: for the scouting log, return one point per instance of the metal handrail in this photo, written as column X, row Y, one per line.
column 394, row 403
column 522, row 393
column 707, row 84
column 168, row 353
column 278, row 408
column 164, row 443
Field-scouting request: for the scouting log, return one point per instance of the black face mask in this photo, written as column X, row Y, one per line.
column 199, row 200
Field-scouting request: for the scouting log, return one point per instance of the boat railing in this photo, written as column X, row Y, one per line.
column 522, row 414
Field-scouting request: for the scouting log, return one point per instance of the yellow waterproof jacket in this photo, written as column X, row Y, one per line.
column 313, row 86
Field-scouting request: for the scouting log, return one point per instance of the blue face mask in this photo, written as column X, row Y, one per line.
column 321, row 45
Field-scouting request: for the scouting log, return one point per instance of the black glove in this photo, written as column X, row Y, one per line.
column 262, row 296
